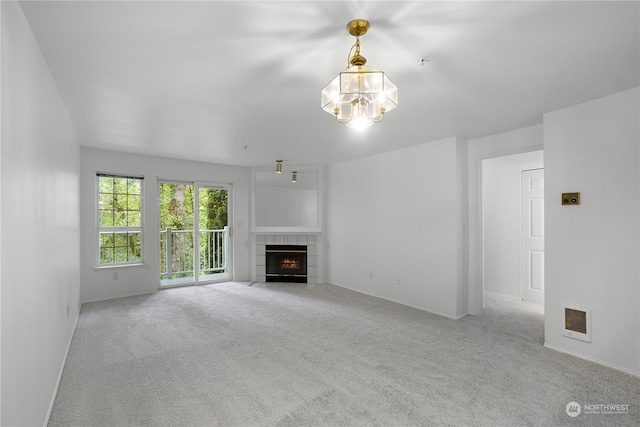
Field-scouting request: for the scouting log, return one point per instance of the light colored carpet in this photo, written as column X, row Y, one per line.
column 318, row 355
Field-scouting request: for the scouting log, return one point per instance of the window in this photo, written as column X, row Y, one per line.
column 119, row 219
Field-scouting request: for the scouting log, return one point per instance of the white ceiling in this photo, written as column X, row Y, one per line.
column 239, row 82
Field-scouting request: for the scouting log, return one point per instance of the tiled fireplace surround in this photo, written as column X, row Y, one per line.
column 309, row 240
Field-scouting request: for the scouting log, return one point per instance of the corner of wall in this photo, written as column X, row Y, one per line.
column 462, row 282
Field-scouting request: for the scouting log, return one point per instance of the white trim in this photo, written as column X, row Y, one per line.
column 110, row 266
column 2, row 141
column 593, row 360
column 503, row 296
column 121, row 296
column 64, row 362
column 458, row 317
column 476, row 231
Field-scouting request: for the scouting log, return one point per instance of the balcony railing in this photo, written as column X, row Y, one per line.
column 178, row 259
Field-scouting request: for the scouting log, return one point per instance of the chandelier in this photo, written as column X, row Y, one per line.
column 360, row 95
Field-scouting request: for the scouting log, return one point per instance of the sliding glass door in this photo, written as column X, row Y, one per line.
column 212, row 238
column 194, row 233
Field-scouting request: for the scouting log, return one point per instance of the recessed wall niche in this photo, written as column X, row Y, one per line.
column 280, row 205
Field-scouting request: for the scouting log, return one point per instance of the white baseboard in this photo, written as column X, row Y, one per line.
column 400, row 302
column 503, row 296
column 64, row 362
column 126, row 295
column 591, row 359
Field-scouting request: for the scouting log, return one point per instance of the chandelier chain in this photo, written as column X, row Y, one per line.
column 356, row 45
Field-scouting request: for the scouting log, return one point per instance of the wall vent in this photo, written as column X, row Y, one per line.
column 577, row 323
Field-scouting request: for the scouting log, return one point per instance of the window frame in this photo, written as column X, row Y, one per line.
column 115, row 229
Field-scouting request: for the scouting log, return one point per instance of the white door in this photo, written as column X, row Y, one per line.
column 532, row 255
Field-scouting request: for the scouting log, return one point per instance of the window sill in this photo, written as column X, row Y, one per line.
column 111, row 267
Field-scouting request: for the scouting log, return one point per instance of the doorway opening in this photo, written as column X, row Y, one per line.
column 512, row 217
column 194, row 233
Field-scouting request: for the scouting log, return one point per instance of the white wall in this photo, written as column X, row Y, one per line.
column 99, row 284
column 282, row 206
column 502, row 206
column 394, row 226
column 502, row 144
column 592, row 250
column 40, row 227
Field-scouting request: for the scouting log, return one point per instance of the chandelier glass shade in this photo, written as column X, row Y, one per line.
column 360, row 95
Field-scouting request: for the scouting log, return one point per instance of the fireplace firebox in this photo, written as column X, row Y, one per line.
column 286, row 263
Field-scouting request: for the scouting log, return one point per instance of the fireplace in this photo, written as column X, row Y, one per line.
column 286, row 263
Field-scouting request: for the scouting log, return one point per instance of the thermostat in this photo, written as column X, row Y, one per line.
column 570, row 198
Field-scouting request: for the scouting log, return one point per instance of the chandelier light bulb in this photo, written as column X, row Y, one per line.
column 359, row 123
